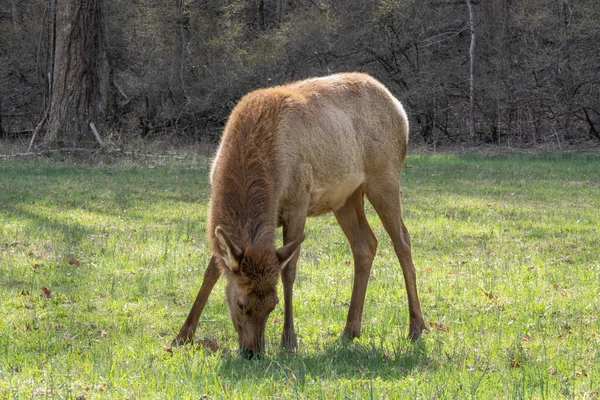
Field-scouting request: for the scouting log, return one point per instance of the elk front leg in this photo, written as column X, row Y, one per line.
column 288, row 276
column 293, row 221
column 293, row 228
column 188, row 329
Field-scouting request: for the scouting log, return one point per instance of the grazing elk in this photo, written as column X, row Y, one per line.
column 288, row 152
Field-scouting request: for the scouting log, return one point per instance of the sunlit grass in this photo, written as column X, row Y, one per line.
column 507, row 251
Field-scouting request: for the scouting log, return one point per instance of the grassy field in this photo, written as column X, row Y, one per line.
column 99, row 265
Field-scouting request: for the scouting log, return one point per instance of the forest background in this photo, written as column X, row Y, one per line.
column 89, row 73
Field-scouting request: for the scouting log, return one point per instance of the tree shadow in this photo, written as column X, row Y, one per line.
column 102, row 192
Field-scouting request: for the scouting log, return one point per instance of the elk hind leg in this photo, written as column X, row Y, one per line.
column 351, row 218
column 385, row 198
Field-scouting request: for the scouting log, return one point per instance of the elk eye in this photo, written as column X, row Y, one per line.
column 240, row 305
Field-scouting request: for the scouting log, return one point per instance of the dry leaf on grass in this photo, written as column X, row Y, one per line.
column 73, row 261
column 46, row 292
column 209, row 343
column 438, row 325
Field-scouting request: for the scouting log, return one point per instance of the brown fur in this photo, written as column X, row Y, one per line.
column 293, row 151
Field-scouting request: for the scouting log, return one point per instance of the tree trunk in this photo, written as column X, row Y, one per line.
column 471, row 72
column 280, row 9
column 261, row 15
column 2, row 130
column 79, row 74
column 179, row 64
column 16, row 16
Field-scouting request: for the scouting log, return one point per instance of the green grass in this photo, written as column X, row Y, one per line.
column 507, row 250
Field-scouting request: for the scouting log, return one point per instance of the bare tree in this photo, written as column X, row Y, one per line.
column 16, row 15
column 471, row 71
column 280, row 9
column 179, row 64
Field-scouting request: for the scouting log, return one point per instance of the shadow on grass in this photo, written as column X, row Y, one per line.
column 350, row 361
column 102, row 190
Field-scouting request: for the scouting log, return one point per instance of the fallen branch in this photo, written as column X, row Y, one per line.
column 43, row 153
column 121, row 91
column 96, row 134
column 15, row 134
column 37, row 130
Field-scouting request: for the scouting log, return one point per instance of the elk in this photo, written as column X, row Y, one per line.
column 296, row 151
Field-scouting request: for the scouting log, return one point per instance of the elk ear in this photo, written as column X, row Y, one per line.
column 285, row 253
column 229, row 252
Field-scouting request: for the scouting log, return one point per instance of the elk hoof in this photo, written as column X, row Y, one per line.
column 289, row 342
column 250, row 354
column 180, row 341
column 184, row 336
column 415, row 331
column 349, row 334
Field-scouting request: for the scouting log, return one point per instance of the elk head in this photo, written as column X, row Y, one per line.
column 252, row 276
